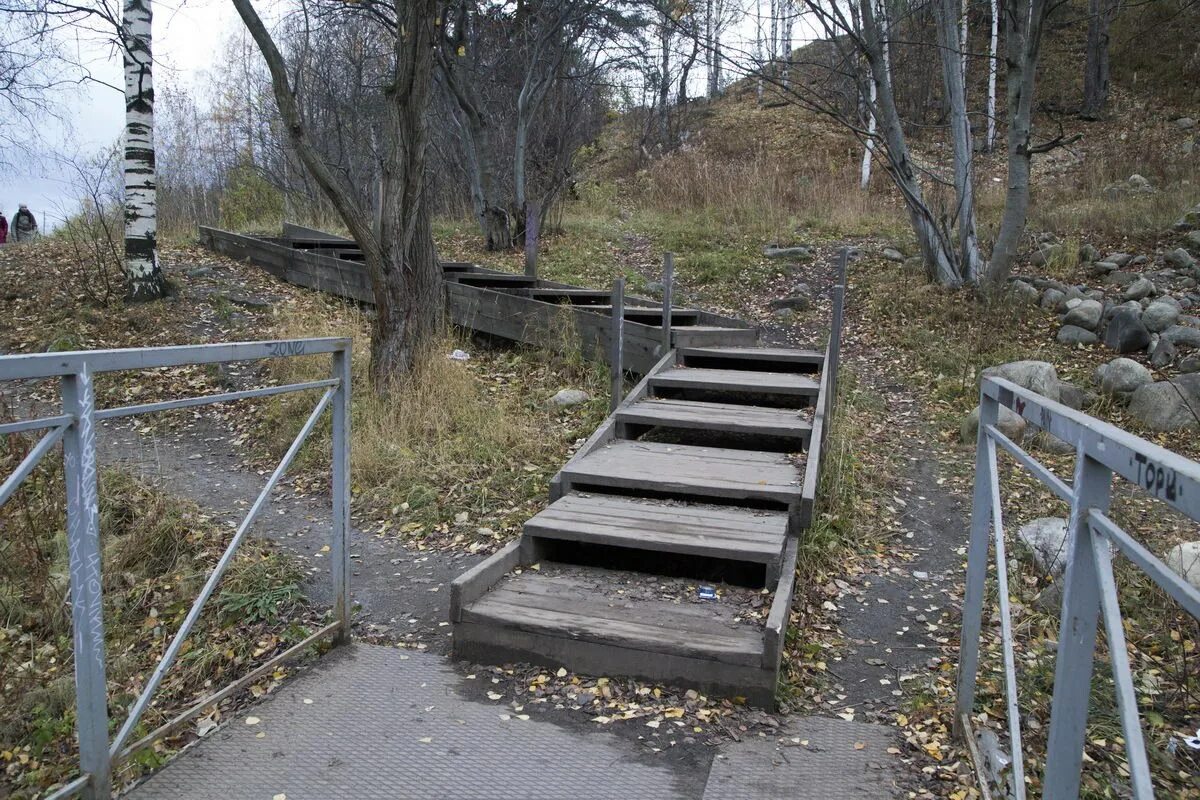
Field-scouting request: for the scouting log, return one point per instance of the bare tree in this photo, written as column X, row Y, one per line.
column 399, row 253
column 993, row 40
column 1101, row 14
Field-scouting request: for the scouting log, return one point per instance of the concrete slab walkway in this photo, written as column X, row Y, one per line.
column 371, row 722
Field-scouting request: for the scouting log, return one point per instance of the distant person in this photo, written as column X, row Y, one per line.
column 3, row 228
column 24, row 226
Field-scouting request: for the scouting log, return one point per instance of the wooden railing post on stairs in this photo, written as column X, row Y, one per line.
column 617, row 339
column 834, row 349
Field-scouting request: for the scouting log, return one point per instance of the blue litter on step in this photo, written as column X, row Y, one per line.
column 706, row 593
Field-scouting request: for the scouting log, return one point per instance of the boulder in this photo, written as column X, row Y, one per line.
column 1088, row 253
column 1120, row 259
column 1191, row 240
column 1073, row 334
column 1185, row 123
column 799, row 301
column 1184, row 560
column 1190, row 363
column 1132, row 306
column 1168, row 405
column 801, row 252
column 1045, row 254
column 1160, row 315
column 1103, row 267
column 1142, row 287
column 1075, row 397
column 1086, row 315
column 1036, row 376
column 1046, row 539
column 1182, row 336
column 1048, row 442
column 1025, row 292
column 1126, row 333
column 1162, row 353
column 1052, row 298
column 1189, row 221
column 1122, row 377
column 892, row 254
column 1120, row 278
column 1011, row 424
column 1179, row 259
column 570, row 397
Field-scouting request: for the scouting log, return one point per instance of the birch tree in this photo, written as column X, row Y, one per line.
column 993, row 40
column 142, row 271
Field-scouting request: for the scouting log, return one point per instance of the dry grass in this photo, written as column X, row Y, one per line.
column 452, row 438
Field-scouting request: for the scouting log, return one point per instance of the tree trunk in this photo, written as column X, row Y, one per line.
column 1023, row 40
column 406, row 278
column 869, row 150
column 993, row 42
column 1095, row 69
column 970, row 262
column 664, row 81
column 712, row 51
column 142, row 271
column 686, row 70
column 936, row 248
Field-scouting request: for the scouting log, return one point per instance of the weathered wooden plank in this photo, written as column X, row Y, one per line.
column 703, row 335
column 775, row 632
column 572, row 609
column 777, row 359
column 741, row 381
column 736, row 534
column 683, row 469
column 475, row 582
column 492, row 644
column 725, row 417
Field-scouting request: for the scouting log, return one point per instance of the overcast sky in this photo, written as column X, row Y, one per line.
column 187, row 35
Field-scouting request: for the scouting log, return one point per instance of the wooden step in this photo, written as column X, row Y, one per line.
column 598, row 622
column 737, row 381
column 771, row 359
column 734, row 534
column 723, row 417
column 712, row 335
column 498, row 280
column 705, row 472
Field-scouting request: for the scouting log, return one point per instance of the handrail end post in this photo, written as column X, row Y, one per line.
column 340, row 529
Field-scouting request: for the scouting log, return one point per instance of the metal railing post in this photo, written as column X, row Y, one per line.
column 533, row 222
column 668, row 289
column 1077, row 634
column 339, row 544
column 977, row 565
column 835, row 327
column 617, row 337
column 87, row 609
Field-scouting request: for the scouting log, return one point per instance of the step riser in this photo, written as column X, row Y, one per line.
column 800, row 437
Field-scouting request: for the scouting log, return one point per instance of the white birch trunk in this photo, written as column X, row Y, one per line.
column 869, row 151
column 786, row 44
column 758, row 49
column 990, row 140
column 142, row 271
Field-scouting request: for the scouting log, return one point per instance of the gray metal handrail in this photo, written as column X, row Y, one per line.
column 76, row 429
column 1090, row 592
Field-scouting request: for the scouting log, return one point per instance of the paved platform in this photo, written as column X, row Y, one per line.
column 395, row 724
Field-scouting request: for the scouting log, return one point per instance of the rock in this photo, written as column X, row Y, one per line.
column 1046, row 254
column 1185, row 123
column 1046, row 539
column 1085, row 315
column 1179, row 259
column 1044, row 440
column 1075, row 397
column 1024, row 292
column 1073, row 334
column 1134, row 184
column 1104, row 267
column 1120, row 278
column 1168, row 405
column 1182, row 336
column 801, row 252
column 654, row 287
column 1094, row 294
column 1050, row 283
column 1088, row 253
column 785, row 315
column 1120, row 259
column 1162, row 353
column 892, row 254
column 1122, row 377
column 1142, row 287
column 1189, row 221
column 199, row 272
column 1036, row 376
column 1190, row 363
column 1192, row 240
column 1052, row 298
column 1125, row 332
column 1011, row 424
column 1160, row 315
column 570, row 397
column 795, row 302
column 1184, row 560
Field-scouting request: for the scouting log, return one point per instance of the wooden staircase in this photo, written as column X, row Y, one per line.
column 699, row 483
